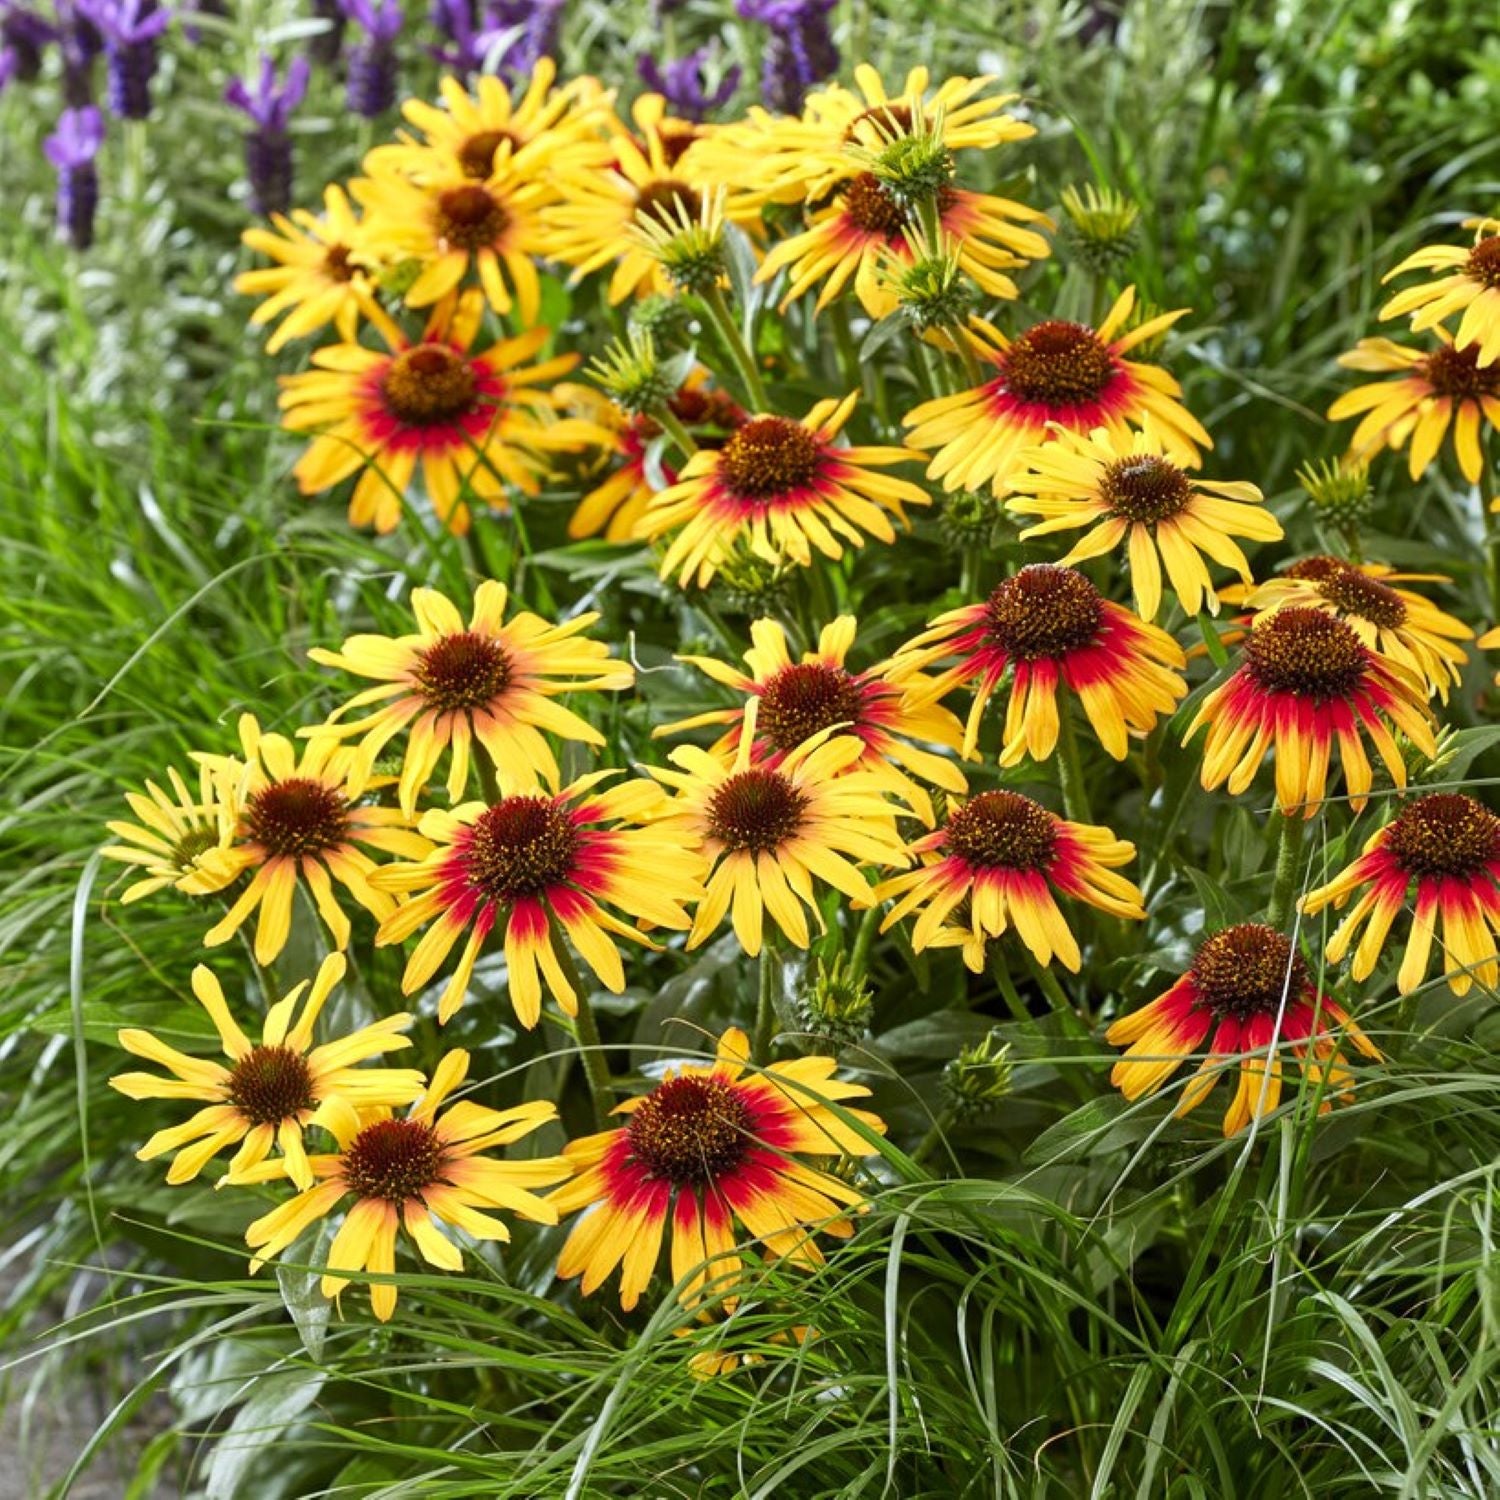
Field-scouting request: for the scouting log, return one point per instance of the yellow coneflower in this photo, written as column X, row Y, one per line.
column 1469, row 282
column 787, row 488
column 321, row 274
column 1436, row 390
column 528, row 860
column 706, row 1148
column 1307, row 683
column 409, row 1172
column 449, row 685
column 296, row 819
column 273, row 1089
column 769, row 833
column 1445, row 849
column 471, row 419
column 1049, row 628
column 801, row 698
column 1130, row 493
column 1002, row 859
column 1248, row 992
column 1399, row 623
column 1054, row 375
column 174, row 831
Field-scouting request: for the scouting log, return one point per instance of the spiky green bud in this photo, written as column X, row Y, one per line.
column 1099, row 228
column 977, row 1079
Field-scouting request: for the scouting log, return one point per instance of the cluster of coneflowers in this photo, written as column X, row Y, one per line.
column 431, row 805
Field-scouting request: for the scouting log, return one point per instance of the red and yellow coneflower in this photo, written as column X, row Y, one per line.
column 1447, row 387
column 1049, row 628
column 470, row 419
column 412, row 1172
column 173, row 831
column 786, row 488
column 273, row 1089
column 532, row 859
column 798, row 699
column 449, row 686
column 1056, row 374
column 1247, row 993
column 1445, row 849
column 706, row 1149
column 770, row 832
column 1306, row 683
column 999, row 861
column 1125, row 488
column 1468, row 281
column 296, row 819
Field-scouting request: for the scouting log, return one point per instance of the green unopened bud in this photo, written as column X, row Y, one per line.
column 668, row 320
column 400, row 276
column 978, row 1078
column 1099, row 228
column 970, row 518
column 634, row 376
column 932, row 290
column 749, row 585
column 690, row 250
column 1339, row 490
column 834, row 1005
column 910, row 162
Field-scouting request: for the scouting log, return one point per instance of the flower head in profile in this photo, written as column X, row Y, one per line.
column 321, row 273
column 1443, row 850
column 1447, row 387
column 798, row 699
column 413, row 1172
column 528, row 861
column 999, row 861
column 1398, row 623
column 449, row 686
column 1054, row 375
column 477, row 129
column 708, row 1151
column 1247, row 993
column 172, row 832
column 1306, row 684
column 1135, row 499
column 770, row 833
column 1048, row 628
column 786, row 488
column 272, row 1090
column 1466, row 280
column 471, row 419
column 297, row 821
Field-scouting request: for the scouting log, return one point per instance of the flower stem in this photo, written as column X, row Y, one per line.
column 1288, row 867
column 674, row 430
column 930, row 1142
column 765, row 1005
column 864, row 941
column 744, row 361
column 1075, row 792
column 590, row 1045
column 1492, row 525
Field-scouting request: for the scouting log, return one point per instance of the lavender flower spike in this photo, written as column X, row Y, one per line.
column 327, row 46
column 23, row 35
column 522, row 31
column 131, row 30
column 268, row 147
column 71, row 148
column 681, row 83
column 799, row 52
column 372, row 61
column 80, row 44
column 454, row 21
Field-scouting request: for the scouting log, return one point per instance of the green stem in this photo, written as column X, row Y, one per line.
column 864, row 941
column 489, row 783
column 744, row 360
column 1075, row 792
column 765, row 1005
column 968, row 573
column 850, row 369
column 972, row 373
column 1492, row 522
column 590, row 1045
column 1000, row 969
column 934, row 1137
column 1288, row 867
column 675, row 430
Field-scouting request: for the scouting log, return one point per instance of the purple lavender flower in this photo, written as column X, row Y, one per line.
column 455, row 21
column 327, row 46
column 80, row 43
column 131, row 30
column 372, row 60
column 799, row 52
column 71, row 148
column 521, row 32
column 268, row 147
column 23, row 36
column 682, row 83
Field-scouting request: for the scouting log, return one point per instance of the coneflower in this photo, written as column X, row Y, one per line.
column 268, row 147
column 131, row 31
column 71, row 148
column 372, row 60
